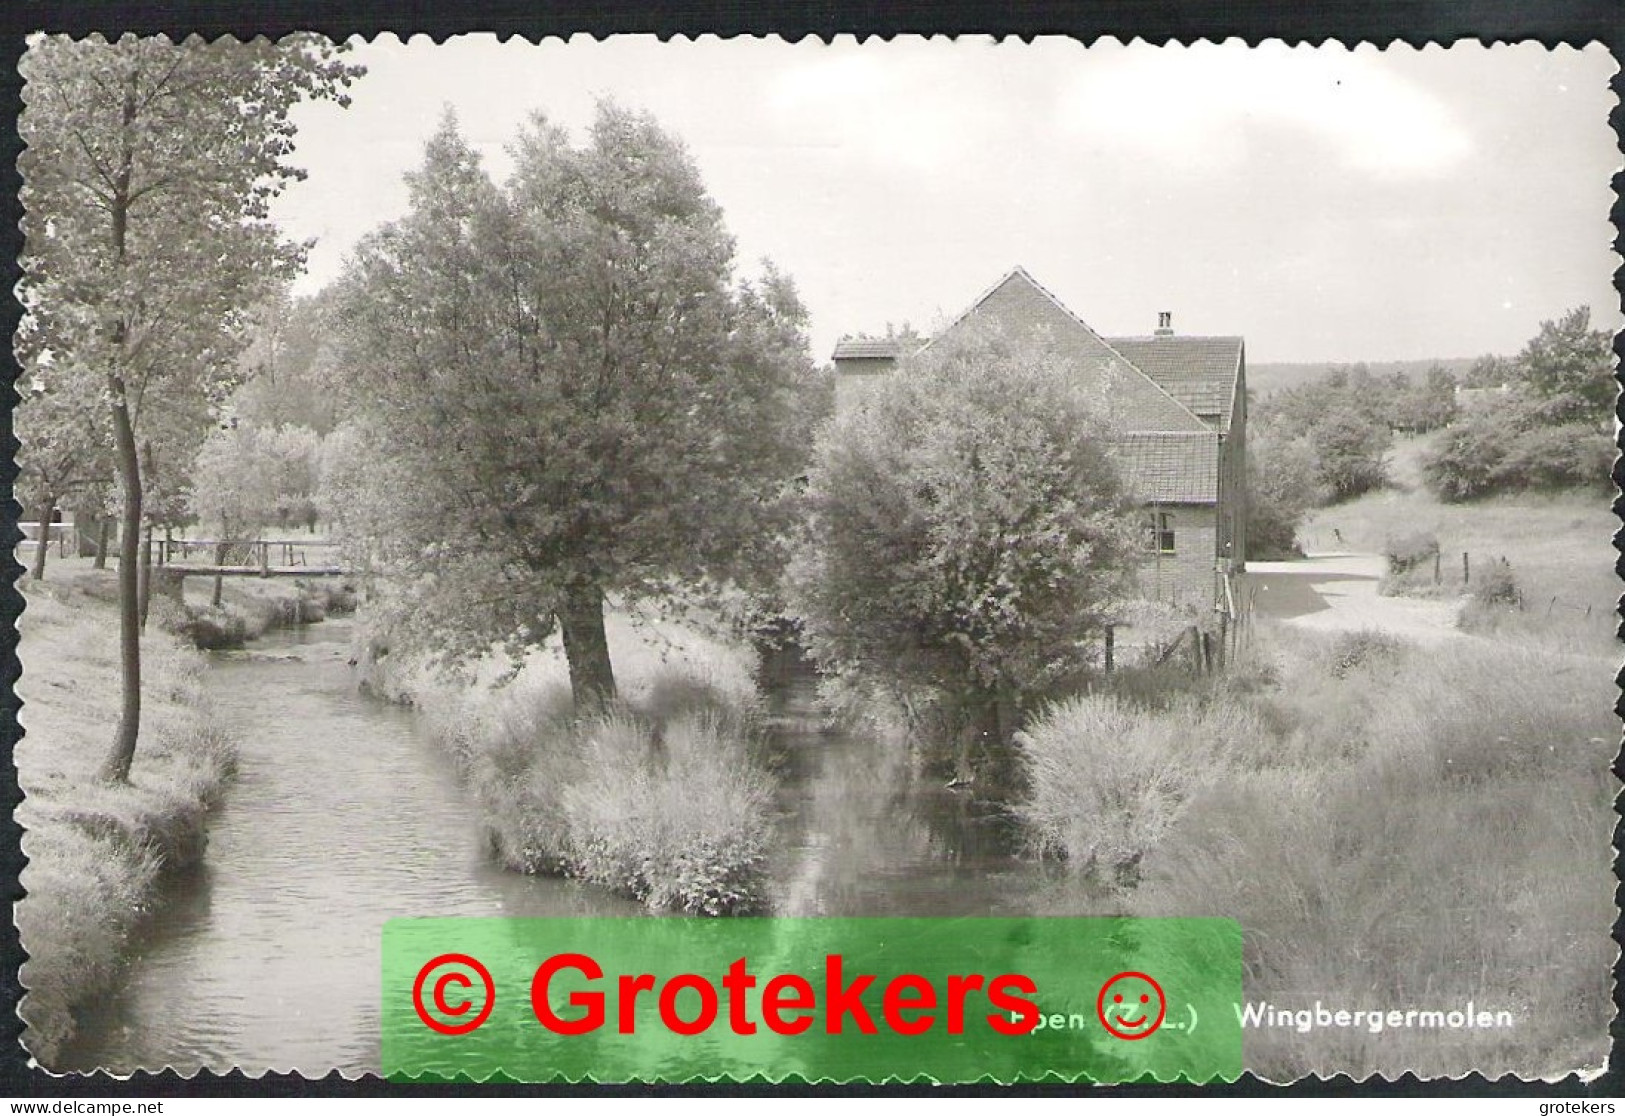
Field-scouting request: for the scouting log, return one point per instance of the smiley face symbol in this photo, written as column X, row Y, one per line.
column 1131, row 1005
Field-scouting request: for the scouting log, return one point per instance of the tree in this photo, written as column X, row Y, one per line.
column 148, row 171
column 234, row 493
column 63, row 444
column 585, row 404
column 1571, row 366
column 1435, row 406
column 968, row 531
column 292, row 459
column 1350, row 449
column 286, row 368
column 1281, row 488
column 1489, row 371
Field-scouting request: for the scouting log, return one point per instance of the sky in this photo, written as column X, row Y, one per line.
column 1326, row 204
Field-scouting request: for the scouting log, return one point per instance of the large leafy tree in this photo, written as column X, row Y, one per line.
column 586, row 403
column 969, row 534
column 147, row 175
column 1571, row 367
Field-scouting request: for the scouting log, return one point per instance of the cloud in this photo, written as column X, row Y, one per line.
column 909, row 104
column 1216, row 104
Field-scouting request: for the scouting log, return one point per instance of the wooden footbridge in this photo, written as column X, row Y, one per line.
column 260, row 558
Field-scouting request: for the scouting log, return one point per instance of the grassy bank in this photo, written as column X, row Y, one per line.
column 1393, row 829
column 97, row 853
column 250, row 607
column 664, row 798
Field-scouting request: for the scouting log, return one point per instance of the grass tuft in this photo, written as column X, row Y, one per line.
column 663, row 798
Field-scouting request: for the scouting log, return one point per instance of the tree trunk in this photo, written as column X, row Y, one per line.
column 586, row 648
column 44, row 540
column 122, row 755
column 117, row 767
column 102, row 524
column 219, row 578
column 144, row 581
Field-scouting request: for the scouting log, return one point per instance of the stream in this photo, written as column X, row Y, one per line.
column 345, row 814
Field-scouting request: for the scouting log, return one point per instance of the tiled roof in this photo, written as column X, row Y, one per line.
column 1169, row 468
column 864, row 348
column 1200, row 372
column 1018, row 303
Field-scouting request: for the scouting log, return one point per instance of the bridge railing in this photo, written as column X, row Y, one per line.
column 258, row 552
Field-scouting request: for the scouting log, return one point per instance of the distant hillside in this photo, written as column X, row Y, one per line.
column 1265, row 378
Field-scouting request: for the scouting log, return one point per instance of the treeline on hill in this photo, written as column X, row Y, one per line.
column 1539, row 420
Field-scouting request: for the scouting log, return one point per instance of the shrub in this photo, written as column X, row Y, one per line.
column 1573, row 455
column 1497, row 586
column 1408, row 552
column 677, row 819
column 1364, row 649
column 1463, row 465
column 1517, row 445
column 662, row 798
column 1411, row 562
column 1108, row 780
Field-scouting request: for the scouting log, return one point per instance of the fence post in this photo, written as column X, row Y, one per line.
column 265, row 559
column 1436, row 556
column 1109, row 640
column 1466, row 569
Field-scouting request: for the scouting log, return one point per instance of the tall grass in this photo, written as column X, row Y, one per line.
column 1393, row 829
column 665, row 797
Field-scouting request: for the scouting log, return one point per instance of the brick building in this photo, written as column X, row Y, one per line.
column 1178, row 413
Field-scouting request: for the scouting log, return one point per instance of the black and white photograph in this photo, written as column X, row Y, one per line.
column 714, row 479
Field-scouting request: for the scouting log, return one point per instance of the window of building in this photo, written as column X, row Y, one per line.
column 1159, row 532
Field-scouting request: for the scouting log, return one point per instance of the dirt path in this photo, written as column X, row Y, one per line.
column 1338, row 593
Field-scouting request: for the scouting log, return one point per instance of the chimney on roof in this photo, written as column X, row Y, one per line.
column 1165, row 323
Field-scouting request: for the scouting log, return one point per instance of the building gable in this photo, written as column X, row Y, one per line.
column 1023, row 308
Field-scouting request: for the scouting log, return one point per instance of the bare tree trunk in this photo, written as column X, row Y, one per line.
column 586, row 648
column 49, row 509
column 102, row 525
column 117, row 767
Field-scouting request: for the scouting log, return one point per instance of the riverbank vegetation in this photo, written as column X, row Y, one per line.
column 97, row 852
column 1391, row 828
column 249, row 607
column 665, row 795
